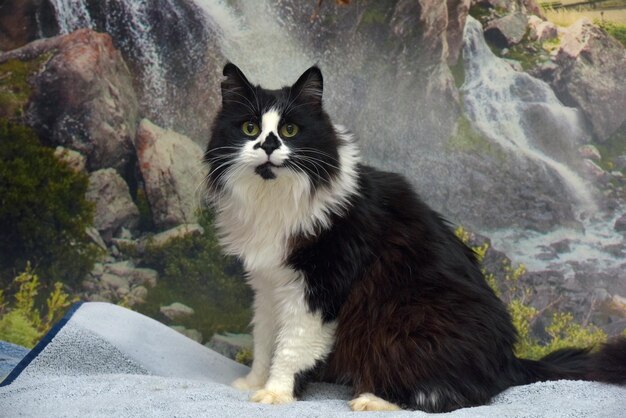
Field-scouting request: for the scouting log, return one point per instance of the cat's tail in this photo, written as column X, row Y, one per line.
column 608, row 364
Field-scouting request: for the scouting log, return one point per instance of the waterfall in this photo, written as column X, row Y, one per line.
column 161, row 37
column 505, row 104
column 71, row 15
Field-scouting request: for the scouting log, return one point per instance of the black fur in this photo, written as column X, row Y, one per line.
column 417, row 324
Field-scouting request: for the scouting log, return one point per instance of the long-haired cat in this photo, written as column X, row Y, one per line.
column 353, row 274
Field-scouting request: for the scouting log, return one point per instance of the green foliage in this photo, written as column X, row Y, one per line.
column 244, row 356
column 22, row 322
column 615, row 30
column 193, row 271
column 15, row 89
column 563, row 331
column 43, row 211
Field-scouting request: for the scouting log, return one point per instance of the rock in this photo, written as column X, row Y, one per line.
column 138, row 295
column 541, row 30
column 115, row 283
column 189, row 333
column 593, row 170
column 180, row 231
column 506, row 31
column 94, row 235
column 98, row 269
column 176, row 311
column 589, row 151
column 172, row 169
column 457, row 13
column 73, row 159
column 83, row 98
column 230, row 344
column 124, row 234
column 23, row 21
column 114, row 206
column 590, row 76
column 620, row 224
column 145, row 276
column 121, row 268
column 562, row 246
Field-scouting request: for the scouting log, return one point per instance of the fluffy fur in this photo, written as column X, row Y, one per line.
column 356, row 279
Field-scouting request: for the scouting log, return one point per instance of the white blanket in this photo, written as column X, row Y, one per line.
column 103, row 360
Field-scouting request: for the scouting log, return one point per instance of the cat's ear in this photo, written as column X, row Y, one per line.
column 310, row 86
column 235, row 83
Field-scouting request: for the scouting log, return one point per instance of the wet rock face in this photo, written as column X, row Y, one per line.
column 83, row 98
column 590, row 75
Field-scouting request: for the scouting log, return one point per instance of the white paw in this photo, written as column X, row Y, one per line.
column 370, row 402
column 249, row 382
column 270, row 397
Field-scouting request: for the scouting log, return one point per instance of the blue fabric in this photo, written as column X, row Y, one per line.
column 10, row 356
column 30, row 356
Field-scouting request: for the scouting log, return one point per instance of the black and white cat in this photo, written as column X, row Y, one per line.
column 355, row 278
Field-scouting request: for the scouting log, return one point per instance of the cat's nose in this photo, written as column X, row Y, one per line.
column 270, row 144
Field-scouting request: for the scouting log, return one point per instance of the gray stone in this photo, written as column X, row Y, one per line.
column 115, row 283
column 73, row 159
column 593, row 170
column 590, row 151
column 591, row 76
column 94, row 235
column 121, row 268
column 114, row 206
column 620, row 223
column 562, row 246
column 180, row 231
column 507, row 31
column 172, row 169
column 176, row 311
column 541, row 30
column 145, row 277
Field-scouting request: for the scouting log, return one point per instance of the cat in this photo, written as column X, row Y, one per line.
column 356, row 279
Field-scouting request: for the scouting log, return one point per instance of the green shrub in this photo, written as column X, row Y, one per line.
column 193, row 271
column 21, row 322
column 615, row 30
column 562, row 330
column 15, row 89
column 43, row 211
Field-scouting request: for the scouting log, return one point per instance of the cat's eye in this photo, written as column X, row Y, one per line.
column 289, row 130
column 250, row 128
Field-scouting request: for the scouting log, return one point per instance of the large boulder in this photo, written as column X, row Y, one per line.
column 114, row 207
column 173, row 172
column 590, row 74
column 507, row 31
column 83, row 97
column 457, row 13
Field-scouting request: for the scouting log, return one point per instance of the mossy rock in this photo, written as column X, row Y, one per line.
column 15, row 84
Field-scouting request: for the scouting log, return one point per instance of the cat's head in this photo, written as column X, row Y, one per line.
column 267, row 134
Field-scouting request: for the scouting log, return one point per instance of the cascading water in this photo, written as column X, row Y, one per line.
column 502, row 102
column 71, row 15
column 498, row 100
column 161, row 37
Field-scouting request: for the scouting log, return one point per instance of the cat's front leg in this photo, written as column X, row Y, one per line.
column 302, row 340
column 263, row 338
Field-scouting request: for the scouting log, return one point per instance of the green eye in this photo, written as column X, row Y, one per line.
column 250, row 128
column 289, row 130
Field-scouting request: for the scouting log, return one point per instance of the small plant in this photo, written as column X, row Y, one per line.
column 21, row 322
column 563, row 331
